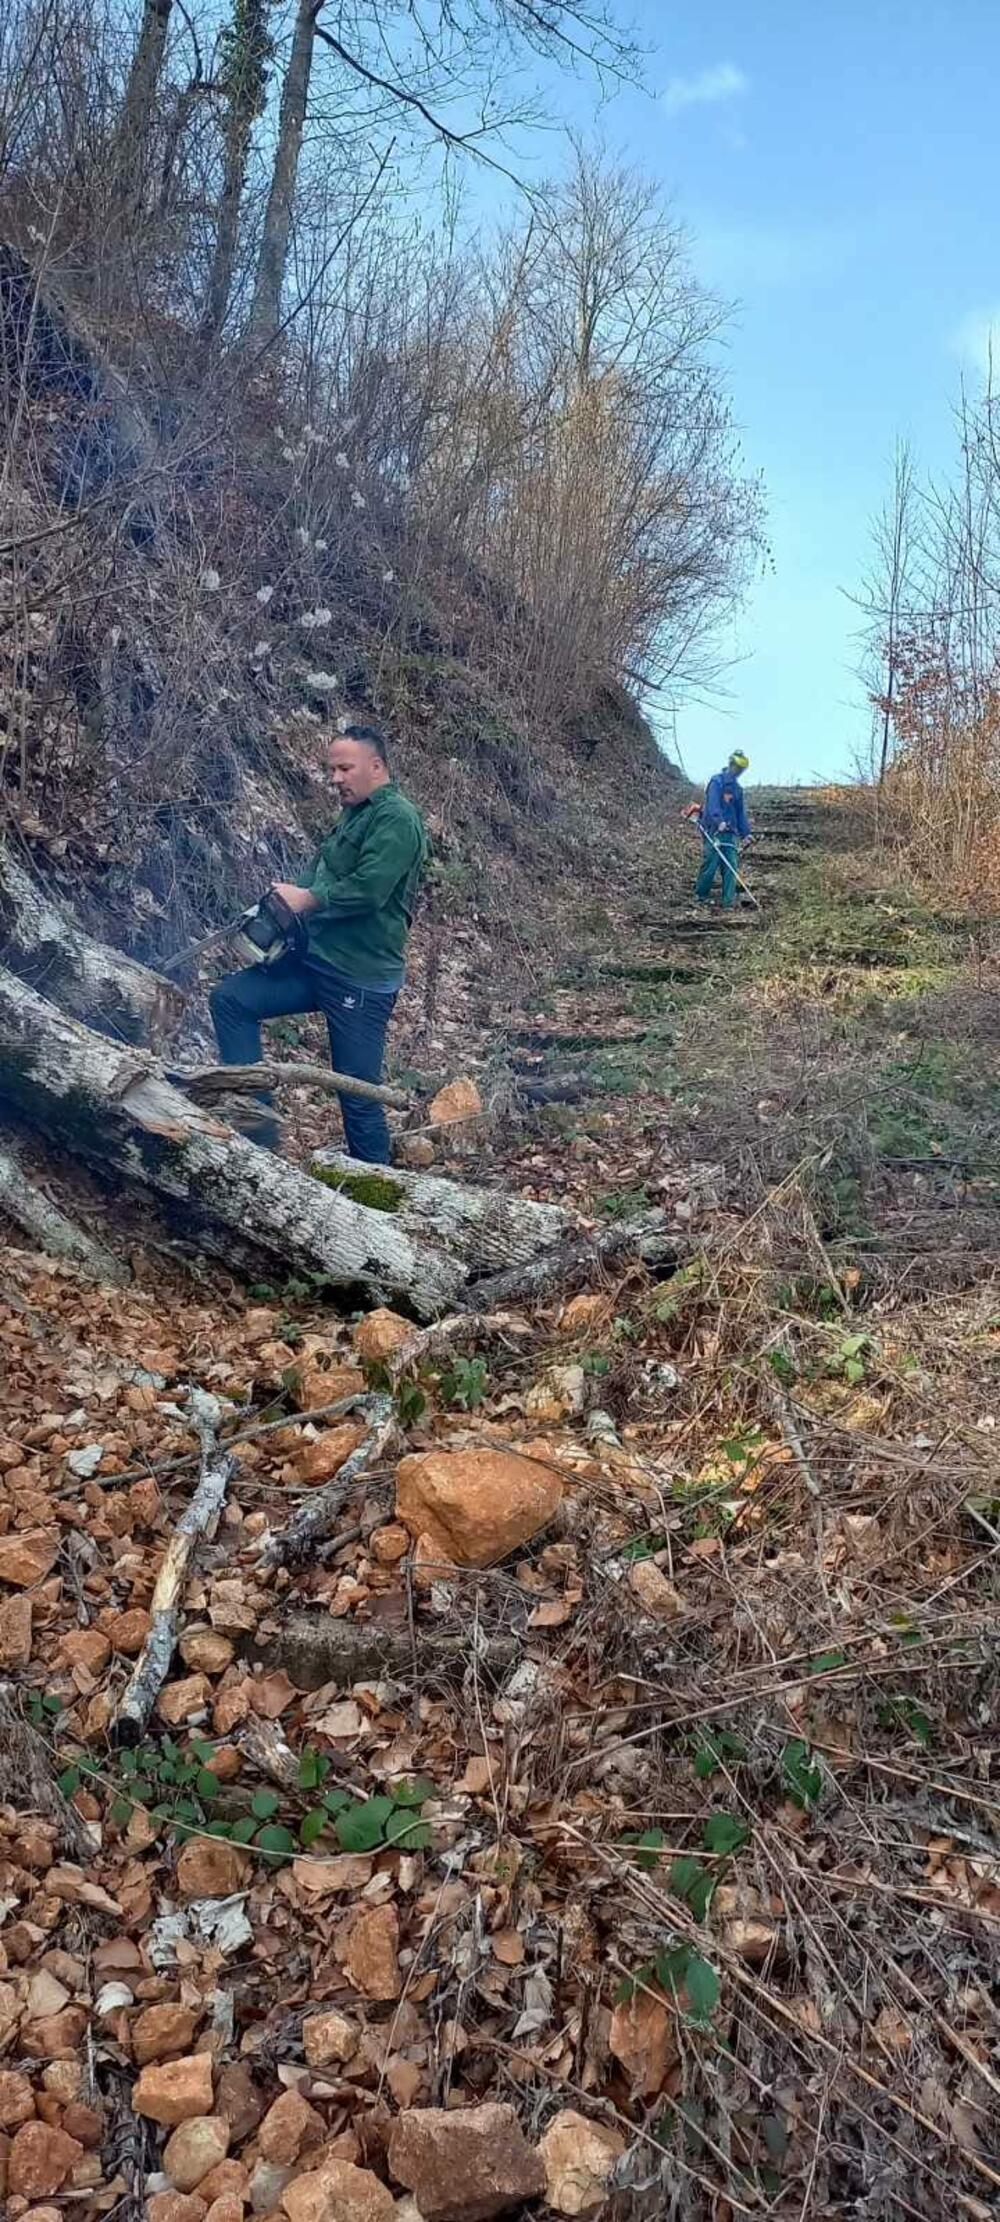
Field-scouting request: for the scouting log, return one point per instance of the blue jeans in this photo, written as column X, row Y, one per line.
column 711, row 863
column 356, row 1020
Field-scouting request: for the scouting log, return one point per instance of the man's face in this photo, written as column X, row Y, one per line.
column 355, row 770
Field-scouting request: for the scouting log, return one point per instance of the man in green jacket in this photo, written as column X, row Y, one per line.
column 355, row 904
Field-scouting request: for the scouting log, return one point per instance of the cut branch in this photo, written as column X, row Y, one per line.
column 576, row 1259
column 205, row 1083
column 153, row 1663
column 318, row 1516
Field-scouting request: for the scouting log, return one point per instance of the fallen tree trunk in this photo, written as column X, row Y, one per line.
column 485, row 1228
column 50, row 1230
column 95, row 982
column 390, row 1236
column 577, row 1258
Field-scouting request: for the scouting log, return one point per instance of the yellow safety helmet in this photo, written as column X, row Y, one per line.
column 738, row 762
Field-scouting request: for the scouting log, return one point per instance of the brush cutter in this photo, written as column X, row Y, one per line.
column 261, row 935
column 691, row 818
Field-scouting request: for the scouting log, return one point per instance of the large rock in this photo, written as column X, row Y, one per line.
column 289, row 2127
column 17, row 2102
column 41, row 2160
column 27, row 1556
column 465, row 2166
column 162, row 2033
column 578, row 2156
column 209, row 1867
column 476, row 1506
column 321, row 1460
column 15, row 1632
column 172, row 2091
column 329, row 2038
column 456, row 1101
column 196, row 2147
column 366, row 1947
column 379, row 1335
column 338, row 2192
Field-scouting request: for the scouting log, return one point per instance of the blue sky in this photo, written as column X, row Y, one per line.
column 836, row 171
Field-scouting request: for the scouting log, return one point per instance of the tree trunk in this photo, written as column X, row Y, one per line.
column 265, row 312
column 393, row 1236
column 485, row 1228
column 247, row 50
column 138, row 116
column 97, row 983
column 49, row 1229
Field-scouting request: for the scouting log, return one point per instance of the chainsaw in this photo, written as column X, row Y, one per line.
column 263, row 934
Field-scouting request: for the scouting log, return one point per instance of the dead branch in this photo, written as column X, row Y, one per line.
column 205, row 1083
column 153, row 1663
column 316, row 1519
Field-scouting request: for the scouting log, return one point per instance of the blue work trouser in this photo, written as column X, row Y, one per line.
column 724, row 862
column 356, row 1019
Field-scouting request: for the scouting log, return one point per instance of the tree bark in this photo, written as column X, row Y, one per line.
column 97, row 983
column 486, row 1229
column 265, row 312
column 245, row 79
column 49, row 1228
column 113, row 1107
column 139, row 109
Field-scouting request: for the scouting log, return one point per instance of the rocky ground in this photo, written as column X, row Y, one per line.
column 599, row 1813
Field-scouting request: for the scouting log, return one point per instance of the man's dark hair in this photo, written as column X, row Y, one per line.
column 373, row 738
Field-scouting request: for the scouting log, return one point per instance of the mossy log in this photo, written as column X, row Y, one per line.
column 114, row 1107
column 485, row 1229
column 389, row 1236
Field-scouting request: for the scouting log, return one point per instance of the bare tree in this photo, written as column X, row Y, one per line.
column 241, row 78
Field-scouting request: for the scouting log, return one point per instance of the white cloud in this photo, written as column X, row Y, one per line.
column 723, row 82
column 977, row 340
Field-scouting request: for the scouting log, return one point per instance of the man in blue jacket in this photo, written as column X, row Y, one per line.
column 724, row 816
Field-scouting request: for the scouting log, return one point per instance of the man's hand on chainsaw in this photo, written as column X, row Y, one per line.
column 298, row 899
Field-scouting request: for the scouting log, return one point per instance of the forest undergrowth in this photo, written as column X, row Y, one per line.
column 682, row 1818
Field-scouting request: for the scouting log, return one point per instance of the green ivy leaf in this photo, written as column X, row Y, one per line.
column 336, row 1801
column 826, row 1662
column 671, row 1968
column 203, row 1752
column 361, row 1827
column 630, row 1984
column 121, row 1812
column 413, row 1793
column 275, row 1842
column 69, row 1780
column 702, row 1986
column 264, row 1804
column 406, row 1832
column 244, row 1831
column 207, row 1784
column 692, row 1882
column 314, row 1766
column 647, row 1847
column 312, row 1825
column 724, row 1832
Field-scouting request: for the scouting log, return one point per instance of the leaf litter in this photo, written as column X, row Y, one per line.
column 680, row 1820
